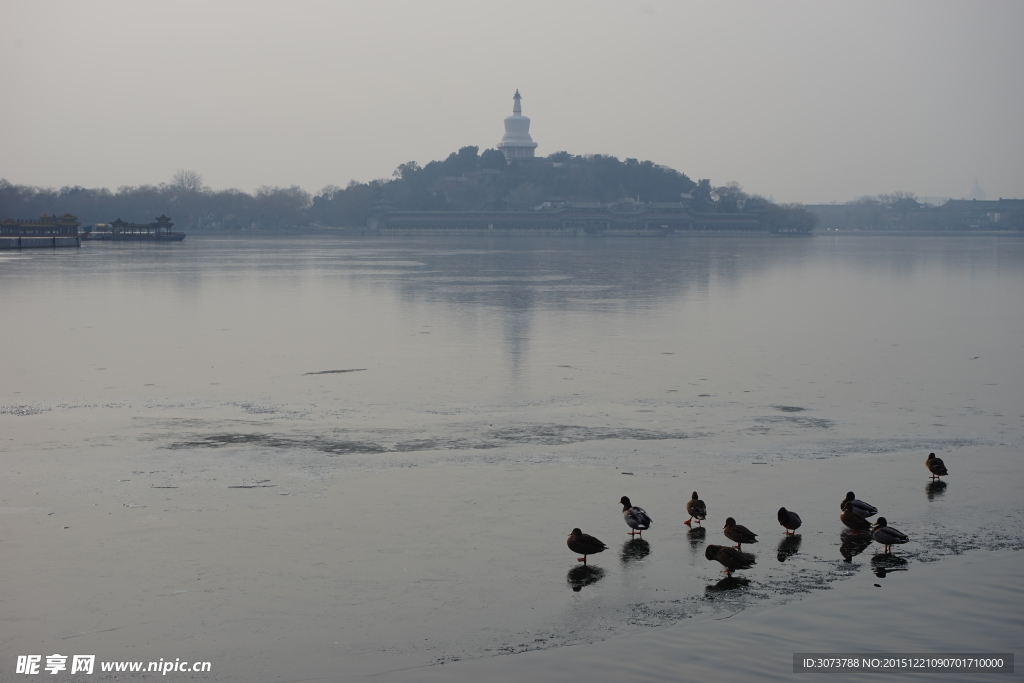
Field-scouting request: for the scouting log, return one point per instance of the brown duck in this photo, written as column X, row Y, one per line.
column 789, row 520
column 696, row 509
column 730, row 558
column 584, row 544
column 738, row 533
column 855, row 522
column 935, row 466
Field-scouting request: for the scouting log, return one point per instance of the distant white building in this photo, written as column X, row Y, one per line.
column 976, row 192
column 517, row 143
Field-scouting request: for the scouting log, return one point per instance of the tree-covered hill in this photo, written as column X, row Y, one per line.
column 465, row 180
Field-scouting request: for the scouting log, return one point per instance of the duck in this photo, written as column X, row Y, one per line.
column 636, row 517
column 790, row 520
column 730, row 558
column 738, row 533
column 584, row 544
column 886, row 535
column 935, row 466
column 696, row 508
column 854, row 521
column 858, row 507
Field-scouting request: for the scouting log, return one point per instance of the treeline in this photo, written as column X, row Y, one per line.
column 190, row 206
column 902, row 211
column 466, row 180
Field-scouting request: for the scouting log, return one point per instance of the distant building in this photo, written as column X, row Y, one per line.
column 976, row 192
column 517, row 144
column 46, row 225
column 47, row 231
column 554, row 216
column 980, row 214
column 119, row 230
column 909, row 214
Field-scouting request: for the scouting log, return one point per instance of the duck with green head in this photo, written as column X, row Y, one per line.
column 636, row 518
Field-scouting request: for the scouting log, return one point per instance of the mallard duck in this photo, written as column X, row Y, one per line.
column 730, row 558
column 696, row 508
column 584, row 544
column 790, row 520
column 851, row 519
column 935, row 466
column 886, row 535
column 636, row 518
column 738, row 533
column 858, row 507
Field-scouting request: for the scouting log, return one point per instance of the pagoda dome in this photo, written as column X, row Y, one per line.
column 517, row 143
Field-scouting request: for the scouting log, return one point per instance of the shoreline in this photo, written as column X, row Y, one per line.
column 566, row 234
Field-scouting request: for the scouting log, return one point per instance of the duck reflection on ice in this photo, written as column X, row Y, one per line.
column 853, row 545
column 583, row 575
column 884, row 563
column 727, row 584
column 635, row 549
column 935, row 488
column 696, row 537
column 789, row 546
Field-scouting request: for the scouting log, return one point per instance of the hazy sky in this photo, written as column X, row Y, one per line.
column 806, row 101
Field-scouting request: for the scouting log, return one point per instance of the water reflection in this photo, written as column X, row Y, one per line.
column 935, row 488
column 520, row 276
column 583, row 575
column 727, row 584
column 788, row 547
column 516, row 327
column 696, row 538
column 853, row 545
column 635, row 549
column 885, row 563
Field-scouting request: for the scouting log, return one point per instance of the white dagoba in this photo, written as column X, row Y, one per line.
column 517, row 143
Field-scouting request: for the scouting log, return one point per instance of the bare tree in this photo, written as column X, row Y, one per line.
column 187, row 181
column 891, row 199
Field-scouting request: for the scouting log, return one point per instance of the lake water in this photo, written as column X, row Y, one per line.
column 309, row 457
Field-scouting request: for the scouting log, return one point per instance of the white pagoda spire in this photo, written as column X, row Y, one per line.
column 517, row 143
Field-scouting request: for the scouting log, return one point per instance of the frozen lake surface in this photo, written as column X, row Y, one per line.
column 304, row 458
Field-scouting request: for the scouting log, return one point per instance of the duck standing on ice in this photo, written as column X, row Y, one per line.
column 935, row 466
column 636, row 517
column 584, row 544
column 789, row 520
column 738, row 533
column 853, row 521
column 857, row 507
column 697, row 510
column 730, row 558
column 886, row 535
